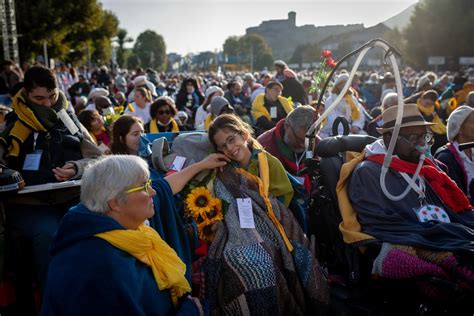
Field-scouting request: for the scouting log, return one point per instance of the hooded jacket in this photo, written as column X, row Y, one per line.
column 88, row 276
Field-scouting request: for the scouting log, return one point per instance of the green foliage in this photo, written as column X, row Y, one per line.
column 306, row 53
column 151, row 49
column 440, row 28
column 248, row 46
column 67, row 27
column 122, row 38
column 133, row 61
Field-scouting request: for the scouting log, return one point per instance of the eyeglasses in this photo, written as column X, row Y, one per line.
column 230, row 141
column 415, row 139
column 163, row 112
column 146, row 188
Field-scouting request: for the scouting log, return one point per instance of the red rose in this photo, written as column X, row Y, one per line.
column 326, row 54
column 331, row 62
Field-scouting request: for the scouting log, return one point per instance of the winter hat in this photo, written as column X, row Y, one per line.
column 213, row 89
column 288, row 73
column 217, row 104
column 96, row 92
column 340, row 78
column 456, row 120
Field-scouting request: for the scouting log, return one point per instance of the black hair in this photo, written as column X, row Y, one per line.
column 160, row 102
column 39, row 76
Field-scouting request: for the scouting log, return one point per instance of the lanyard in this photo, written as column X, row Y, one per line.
column 418, row 188
column 298, row 161
column 35, row 137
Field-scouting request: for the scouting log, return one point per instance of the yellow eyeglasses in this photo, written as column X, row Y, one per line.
column 146, row 188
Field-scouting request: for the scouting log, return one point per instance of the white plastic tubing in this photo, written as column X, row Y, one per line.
column 396, row 130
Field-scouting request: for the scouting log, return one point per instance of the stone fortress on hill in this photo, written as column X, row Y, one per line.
column 283, row 36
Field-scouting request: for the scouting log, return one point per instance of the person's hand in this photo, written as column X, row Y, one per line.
column 64, row 173
column 196, row 302
column 215, row 161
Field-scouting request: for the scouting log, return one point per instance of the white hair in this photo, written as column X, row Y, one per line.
column 390, row 99
column 108, row 178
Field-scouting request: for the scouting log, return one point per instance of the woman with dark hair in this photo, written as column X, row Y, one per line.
column 94, row 123
column 126, row 133
column 189, row 96
column 162, row 113
column 255, row 182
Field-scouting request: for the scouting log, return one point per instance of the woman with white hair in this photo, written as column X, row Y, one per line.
column 105, row 259
column 348, row 107
column 460, row 163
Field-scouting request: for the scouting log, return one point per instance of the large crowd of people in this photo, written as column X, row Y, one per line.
column 131, row 239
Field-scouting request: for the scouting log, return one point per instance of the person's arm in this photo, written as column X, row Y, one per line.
column 179, row 179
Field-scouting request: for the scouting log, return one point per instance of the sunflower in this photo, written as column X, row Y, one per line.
column 199, row 201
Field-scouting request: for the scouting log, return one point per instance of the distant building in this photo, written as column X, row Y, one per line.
column 344, row 43
column 283, row 36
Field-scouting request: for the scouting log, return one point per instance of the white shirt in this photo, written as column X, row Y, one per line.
column 143, row 114
column 200, row 117
column 342, row 109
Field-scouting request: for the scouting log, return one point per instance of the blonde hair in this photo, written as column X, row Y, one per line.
column 145, row 93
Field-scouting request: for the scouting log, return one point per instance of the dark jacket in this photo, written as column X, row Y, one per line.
column 89, row 276
column 396, row 222
column 293, row 88
column 448, row 155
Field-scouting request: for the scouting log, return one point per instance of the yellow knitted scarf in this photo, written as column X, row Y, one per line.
column 355, row 113
column 154, row 126
column 208, row 122
column 263, row 185
column 146, row 245
column 29, row 121
column 439, row 128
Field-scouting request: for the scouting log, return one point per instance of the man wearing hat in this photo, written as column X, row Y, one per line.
column 435, row 214
column 460, row 163
column 280, row 66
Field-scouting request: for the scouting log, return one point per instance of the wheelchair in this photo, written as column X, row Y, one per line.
column 354, row 291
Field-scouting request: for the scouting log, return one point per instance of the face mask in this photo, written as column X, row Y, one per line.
column 144, row 149
column 108, row 111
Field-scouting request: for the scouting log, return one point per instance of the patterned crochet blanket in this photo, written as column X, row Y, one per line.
column 251, row 271
column 405, row 262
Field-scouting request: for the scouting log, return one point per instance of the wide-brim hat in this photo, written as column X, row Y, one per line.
column 411, row 117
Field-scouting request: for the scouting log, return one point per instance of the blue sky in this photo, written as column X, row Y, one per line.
column 199, row 25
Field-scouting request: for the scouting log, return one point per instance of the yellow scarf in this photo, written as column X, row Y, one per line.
column 263, row 186
column 439, row 128
column 355, row 113
column 27, row 123
column 154, row 126
column 146, row 245
column 208, row 122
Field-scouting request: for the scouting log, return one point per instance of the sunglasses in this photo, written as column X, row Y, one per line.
column 146, row 188
column 163, row 112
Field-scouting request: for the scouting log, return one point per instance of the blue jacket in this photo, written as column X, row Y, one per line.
column 88, row 276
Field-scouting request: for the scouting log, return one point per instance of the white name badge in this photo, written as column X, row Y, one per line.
column 300, row 180
column 273, row 112
column 245, row 213
column 68, row 122
column 32, row 161
column 178, row 163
